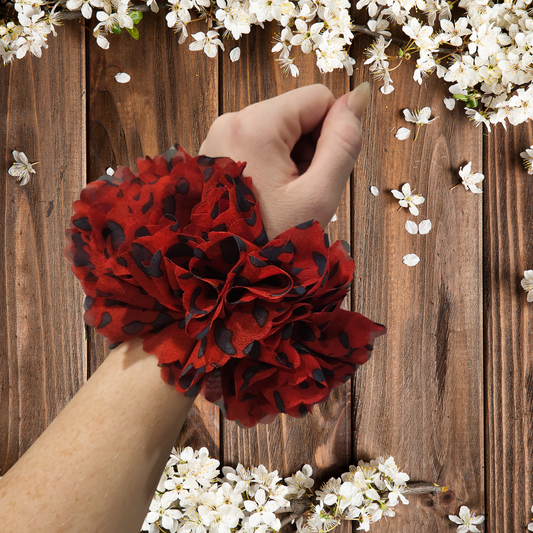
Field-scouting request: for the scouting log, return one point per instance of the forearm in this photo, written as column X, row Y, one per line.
column 96, row 467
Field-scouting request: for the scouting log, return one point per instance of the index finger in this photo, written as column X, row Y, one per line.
column 294, row 113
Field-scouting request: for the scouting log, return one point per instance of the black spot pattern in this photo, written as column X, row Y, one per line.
column 83, row 223
column 223, row 338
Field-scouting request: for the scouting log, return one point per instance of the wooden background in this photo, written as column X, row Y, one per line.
column 449, row 390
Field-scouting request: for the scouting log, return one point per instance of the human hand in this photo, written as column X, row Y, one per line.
column 300, row 148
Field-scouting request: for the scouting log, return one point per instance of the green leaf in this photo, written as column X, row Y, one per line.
column 463, row 97
column 134, row 32
column 472, row 103
column 136, row 16
column 116, row 29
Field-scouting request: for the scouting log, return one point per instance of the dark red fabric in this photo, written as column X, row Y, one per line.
column 179, row 256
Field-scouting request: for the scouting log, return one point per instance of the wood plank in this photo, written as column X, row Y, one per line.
column 172, row 97
column 321, row 439
column 509, row 330
column 42, row 341
column 421, row 397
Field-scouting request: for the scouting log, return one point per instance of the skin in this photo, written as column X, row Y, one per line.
column 96, row 467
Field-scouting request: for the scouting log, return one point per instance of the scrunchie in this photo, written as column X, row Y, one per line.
column 179, row 256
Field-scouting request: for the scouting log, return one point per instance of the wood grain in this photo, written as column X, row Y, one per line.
column 508, row 240
column 42, row 342
column 420, row 399
column 172, row 97
column 322, row 439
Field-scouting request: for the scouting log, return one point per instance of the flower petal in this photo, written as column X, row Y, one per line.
column 424, row 227
column 403, row 133
column 397, row 194
column 411, row 227
column 235, row 54
column 122, row 77
column 374, row 190
column 449, row 103
column 414, row 210
column 411, row 260
column 406, row 189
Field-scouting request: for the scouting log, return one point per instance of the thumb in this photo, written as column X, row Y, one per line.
column 339, row 144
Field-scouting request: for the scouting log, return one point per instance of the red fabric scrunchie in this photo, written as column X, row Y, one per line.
column 179, row 256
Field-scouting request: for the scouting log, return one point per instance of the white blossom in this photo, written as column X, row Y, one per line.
column 22, row 168
column 300, row 481
column 470, row 179
column 419, row 116
column 527, row 285
column 208, row 43
column 467, row 521
column 408, row 199
column 527, row 155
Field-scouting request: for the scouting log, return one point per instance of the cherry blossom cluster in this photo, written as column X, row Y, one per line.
column 492, row 62
column 488, row 60
column 29, row 34
column 366, row 494
column 193, row 497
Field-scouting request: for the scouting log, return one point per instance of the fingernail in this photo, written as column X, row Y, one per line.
column 358, row 99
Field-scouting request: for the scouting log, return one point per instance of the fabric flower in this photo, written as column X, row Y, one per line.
column 408, row 199
column 179, row 256
column 527, row 284
column 466, row 520
column 22, row 168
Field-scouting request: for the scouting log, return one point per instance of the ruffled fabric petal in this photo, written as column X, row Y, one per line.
column 178, row 255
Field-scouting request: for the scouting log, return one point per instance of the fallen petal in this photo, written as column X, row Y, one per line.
column 403, row 133
column 374, row 190
column 449, row 103
column 235, row 54
column 410, row 259
column 411, row 227
column 334, row 218
column 122, row 77
column 387, row 90
column 424, row 227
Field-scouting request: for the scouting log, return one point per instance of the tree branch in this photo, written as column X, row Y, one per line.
column 301, row 506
